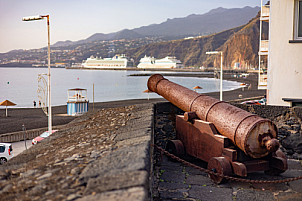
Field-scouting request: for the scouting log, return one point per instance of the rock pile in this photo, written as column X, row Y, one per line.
column 290, row 134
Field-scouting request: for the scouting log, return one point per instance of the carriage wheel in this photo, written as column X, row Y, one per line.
column 219, row 165
column 275, row 171
column 175, row 147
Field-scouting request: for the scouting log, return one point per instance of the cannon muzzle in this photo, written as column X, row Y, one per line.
column 252, row 134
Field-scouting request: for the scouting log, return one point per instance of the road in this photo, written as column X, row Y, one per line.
column 19, row 147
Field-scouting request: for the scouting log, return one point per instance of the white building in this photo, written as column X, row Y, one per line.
column 285, row 52
column 263, row 46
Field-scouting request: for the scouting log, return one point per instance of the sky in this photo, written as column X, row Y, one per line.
column 78, row 19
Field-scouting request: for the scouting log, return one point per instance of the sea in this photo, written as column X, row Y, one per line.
column 20, row 85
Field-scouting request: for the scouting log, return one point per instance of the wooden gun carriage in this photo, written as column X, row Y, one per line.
column 231, row 140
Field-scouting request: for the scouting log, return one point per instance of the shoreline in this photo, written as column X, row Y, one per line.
column 168, row 73
column 33, row 118
column 183, row 70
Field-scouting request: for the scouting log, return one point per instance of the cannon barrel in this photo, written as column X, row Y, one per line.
column 252, row 134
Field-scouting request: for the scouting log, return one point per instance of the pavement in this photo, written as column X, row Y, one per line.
column 180, row 182
column 19, row 147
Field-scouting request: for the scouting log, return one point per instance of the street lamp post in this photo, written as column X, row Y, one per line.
column 221, row 67
column 40, row 17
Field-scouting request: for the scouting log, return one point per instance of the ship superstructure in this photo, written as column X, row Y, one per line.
column 167, row 62
column 118, row 61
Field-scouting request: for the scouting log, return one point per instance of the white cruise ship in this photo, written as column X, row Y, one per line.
column 167, row 62
column 118, row 61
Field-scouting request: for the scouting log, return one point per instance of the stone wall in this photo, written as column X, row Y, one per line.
column 125, row 172
column 288, row 122
column 101, row 155
column 165, row 113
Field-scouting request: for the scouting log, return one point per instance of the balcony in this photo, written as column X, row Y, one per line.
column 264, row 47
column 262, row 81
column 265, row 13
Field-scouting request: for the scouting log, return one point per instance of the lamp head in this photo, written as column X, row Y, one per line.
column 213, row 52
column 32, row 18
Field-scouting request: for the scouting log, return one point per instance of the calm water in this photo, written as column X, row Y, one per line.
column 20, row 85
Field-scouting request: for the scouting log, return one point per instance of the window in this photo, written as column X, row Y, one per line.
column 298, row 20
column 2, row 149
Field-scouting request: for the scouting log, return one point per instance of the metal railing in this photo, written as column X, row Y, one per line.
column 265, row 11
column 19, row 136
column 264, row 45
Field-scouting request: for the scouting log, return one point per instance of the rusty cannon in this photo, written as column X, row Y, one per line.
column 231, row 140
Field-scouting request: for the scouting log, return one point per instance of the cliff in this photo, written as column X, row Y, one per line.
column 240, row 44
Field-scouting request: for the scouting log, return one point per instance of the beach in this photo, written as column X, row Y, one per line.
column 33, row 118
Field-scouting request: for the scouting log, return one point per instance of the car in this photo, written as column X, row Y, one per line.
column 6, row 152
column 255, row 102
column 251, row 102
column 42, row 137
column 262, row 101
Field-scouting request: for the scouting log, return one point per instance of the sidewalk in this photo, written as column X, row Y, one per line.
column 19, row 147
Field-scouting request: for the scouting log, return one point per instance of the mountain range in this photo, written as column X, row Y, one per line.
column 214, row 21
column 239, row 45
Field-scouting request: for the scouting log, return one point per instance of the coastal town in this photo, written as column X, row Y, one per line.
column 73, row 55
column 213, row 115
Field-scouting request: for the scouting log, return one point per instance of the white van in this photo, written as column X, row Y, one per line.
column 6, row 152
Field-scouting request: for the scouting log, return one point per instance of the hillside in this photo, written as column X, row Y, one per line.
column 238, row 45
column 243, row 46
column 124, row 34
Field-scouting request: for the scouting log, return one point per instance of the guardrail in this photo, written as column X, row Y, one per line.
column 19, row 136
